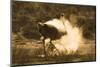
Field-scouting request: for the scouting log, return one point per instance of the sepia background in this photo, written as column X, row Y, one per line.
column 26, row 45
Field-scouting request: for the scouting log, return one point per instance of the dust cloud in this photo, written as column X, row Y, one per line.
column 73, row 41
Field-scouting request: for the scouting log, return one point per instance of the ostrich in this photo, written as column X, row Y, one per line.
column 50, row 30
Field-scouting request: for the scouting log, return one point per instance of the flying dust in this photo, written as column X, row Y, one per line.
column 72, row 41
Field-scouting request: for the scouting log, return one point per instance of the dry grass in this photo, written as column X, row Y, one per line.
column 30, row 52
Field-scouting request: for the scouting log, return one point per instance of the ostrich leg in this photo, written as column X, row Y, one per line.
column 43, row 40
column 54, row 47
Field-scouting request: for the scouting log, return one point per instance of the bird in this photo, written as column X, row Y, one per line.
column 50, row 31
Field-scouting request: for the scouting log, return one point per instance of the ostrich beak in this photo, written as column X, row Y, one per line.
column 40, row 24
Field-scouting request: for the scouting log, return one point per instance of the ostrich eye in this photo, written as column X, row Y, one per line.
column 45, row 25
